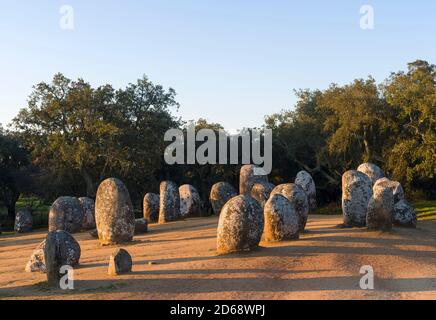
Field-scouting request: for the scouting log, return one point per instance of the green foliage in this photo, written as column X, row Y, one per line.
column 78, row 135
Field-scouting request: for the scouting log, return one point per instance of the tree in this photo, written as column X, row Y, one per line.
column 93, row 133
column 412, row 99
column 13, row 158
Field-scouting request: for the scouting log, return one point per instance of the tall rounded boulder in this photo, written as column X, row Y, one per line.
column 220, row 193
column 240, row 225
column 296, row 195
column 261, row 192
column 395, row 186
column 114, row 213
column 372, row 171
column 169, row 209
column 23, row 221
column 61, row 249
column 306, row 182
column 66, row 214
column 249, row 176
column 356, row 193
column 380, row 209
column 281, row 220
column 88, row 206
column 151, row 207
column 190, row 202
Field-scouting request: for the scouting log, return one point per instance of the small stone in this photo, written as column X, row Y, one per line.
column 249, row 176
column 296, row 195
column 306, row 182
column 372, row 171
column 169, row 209
column 356, row 192
column 88, row 206
column 240, row 225
column 380, row 208
column 281, row 220
column 36, row 262
column 61, row 249
column 404, row 215
column 261, row 192
column 190, row 203
column 66, row 214
column 395, row 186
column 151, row 207
column 114, row 213
column 141, row 226
column 23, row 221
column 120, row 262
column 220, row 193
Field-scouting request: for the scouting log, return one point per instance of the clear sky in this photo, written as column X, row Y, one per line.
column 230, row 61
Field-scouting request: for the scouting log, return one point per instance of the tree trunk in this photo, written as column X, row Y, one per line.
column 90, row 189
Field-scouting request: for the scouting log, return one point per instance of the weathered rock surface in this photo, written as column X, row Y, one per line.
column 306, row 182
column 220, row 193
column 36, row 262
column 120, row 262
column 240, row 225
column 151, row 207
column 281, row 220
column 60, row 249
column 249, row 176
column 261, row 192
column 88, row 206
column 356, row 192
column 66, row 214
column 372, row 171
column 23, row 221
column 395, row 186
column 141, row 226
column 404, row 215
column 114, row 214
column 190, row 202
column 296, row 195
column 380, row 209
column 169, row 209
column 94, row 233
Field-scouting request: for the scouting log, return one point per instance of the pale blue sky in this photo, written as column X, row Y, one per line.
column 230, row 61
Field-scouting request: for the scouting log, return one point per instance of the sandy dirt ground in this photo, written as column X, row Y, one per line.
column 178, row 261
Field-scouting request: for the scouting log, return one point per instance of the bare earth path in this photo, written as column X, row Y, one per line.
column 323, row 264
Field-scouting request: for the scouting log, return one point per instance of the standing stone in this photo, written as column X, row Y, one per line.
column 66, row 214
column 60, row 249
column 305, row 181
column 88, row 206
column 380, row 209
column 151, row 207
column 240, row 225
column 395, row 186
column 141, row 226
column 36, row 262
column 298, row 198
column 23, row 221
column 261, row 192
column 114, row 214
column 404, row 215
column 169, row 209
column 249, row 176
column 281, row 220
column 372, row 171
column 120, row 262
column 190, row 203
column 356, row 192
column 220, row 193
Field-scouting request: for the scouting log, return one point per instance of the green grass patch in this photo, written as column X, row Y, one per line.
column 425, row 209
